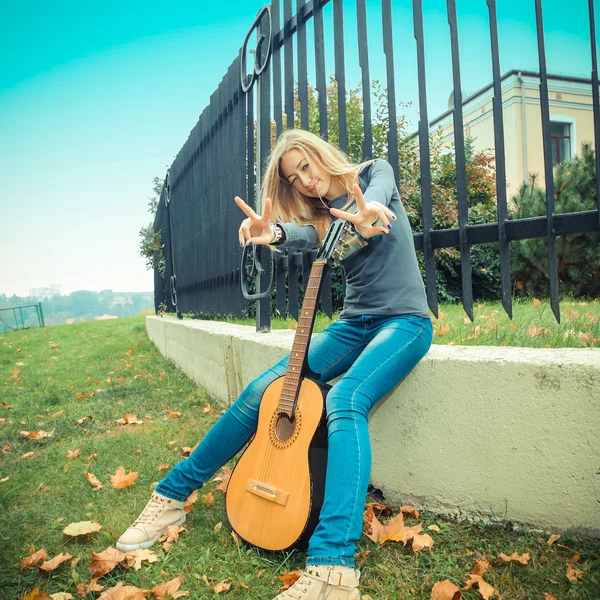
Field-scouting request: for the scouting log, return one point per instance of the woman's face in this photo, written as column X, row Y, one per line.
column 306, row 175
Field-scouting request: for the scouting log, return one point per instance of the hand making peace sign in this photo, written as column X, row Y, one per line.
column 255, row 229
column 367, row 215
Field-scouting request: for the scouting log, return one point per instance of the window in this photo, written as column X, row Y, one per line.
column 561, row 142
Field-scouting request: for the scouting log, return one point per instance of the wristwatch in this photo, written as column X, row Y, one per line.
column 278, row 234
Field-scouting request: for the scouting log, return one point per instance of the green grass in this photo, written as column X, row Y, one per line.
column 533, row 324
column 46, row 492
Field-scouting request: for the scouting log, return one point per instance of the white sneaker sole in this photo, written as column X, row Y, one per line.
column 144, row 545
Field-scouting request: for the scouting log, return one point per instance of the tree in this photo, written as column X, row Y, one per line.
column 150, row 243
column 578, row 258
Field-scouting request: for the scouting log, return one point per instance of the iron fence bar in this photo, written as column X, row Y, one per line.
column 295, row 260
column 500, row 162
column 281, row 264
column 320, row 76
column 263, row 95
column 519, row 229
column 425, row 161
column 595, row 97
column 302, row 65
column 461, row 171
column 363, row 60
column 548, row 172
column 388, row 49
column 276, row 66
column 288, row 64
column 340, row 71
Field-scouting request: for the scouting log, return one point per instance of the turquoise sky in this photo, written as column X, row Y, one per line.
column 96, row 99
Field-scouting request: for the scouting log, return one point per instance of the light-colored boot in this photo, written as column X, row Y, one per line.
column 160, row 513
column 324, row 582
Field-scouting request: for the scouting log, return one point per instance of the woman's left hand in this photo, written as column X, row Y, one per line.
column 367, row 215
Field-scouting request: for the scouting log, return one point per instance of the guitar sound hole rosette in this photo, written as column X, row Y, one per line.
column 283, row 444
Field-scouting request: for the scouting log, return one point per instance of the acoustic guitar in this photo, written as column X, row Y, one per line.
column 276, row 490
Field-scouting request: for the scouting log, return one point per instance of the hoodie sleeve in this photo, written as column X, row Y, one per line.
column 299, row 237
column 381, row 183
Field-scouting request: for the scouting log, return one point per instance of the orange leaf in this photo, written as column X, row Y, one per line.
column 514, row 557
column 209, row 499
column 485, row 589
column 122, row 480
column 57, row 414
column 573, row 574
column 2, row 421
column 409, row 510
column 481, row 566
column 445, row 590
column 73, row 453
column 218, row 526
column 222, row 586
column 104, row 562
column 223, row 477
column 549, row 596
column 35, row 594
column 189, row 503
column 174, row 415
column 92, row 456
column 371, row 526
column 129, row 419
column 82, row 396
column 54, row 563
column 130, row 352
column 207, row 408
column 5, row 405
column 93, row 480
column 170, row 588
column 236, row 538
column 37, row 435
column 434, row 528
column 82, row 528
column 33, row 559
column 28, row 455
column 289, row 579
column 421, row 541
column 84, row 589
column 123, row 592
column 134, row 558
column 83, row 420
column 172, row 533
column 163, row 466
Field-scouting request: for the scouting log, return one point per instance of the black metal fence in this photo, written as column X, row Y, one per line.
column 227, row 149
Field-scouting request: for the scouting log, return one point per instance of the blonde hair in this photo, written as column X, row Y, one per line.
column 288, row 203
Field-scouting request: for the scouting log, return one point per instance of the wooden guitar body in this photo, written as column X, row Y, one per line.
column 276, row 490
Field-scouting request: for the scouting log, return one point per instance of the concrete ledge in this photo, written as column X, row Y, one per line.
column 497, row 434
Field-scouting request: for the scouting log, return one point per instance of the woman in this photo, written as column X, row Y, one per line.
column 384, row 329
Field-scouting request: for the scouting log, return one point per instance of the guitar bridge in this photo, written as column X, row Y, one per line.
column 267, row 492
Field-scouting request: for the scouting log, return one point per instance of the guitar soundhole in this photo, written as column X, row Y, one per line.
column 284, row 428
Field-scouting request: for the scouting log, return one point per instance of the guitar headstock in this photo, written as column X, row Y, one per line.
column 341, row 241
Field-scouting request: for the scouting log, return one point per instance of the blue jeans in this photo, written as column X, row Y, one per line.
column 375, row 353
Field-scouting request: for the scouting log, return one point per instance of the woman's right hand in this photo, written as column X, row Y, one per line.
column 256, row 229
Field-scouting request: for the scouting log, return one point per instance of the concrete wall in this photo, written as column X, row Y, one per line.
column 497, row 434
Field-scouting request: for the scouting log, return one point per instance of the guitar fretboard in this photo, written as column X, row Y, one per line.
column 306, row 320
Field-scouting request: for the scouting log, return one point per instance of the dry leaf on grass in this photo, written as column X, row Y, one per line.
column 409, row 510
column 289, row 579
column 223, row 477
column 514, row 557
column 169, row 588
column 134, row 558
column 189, row 503
column 549, row 596
column 28, row 455
column 433, row 528
column 82, row 528
column 93, row 480
column 34, row 558
column 208, row 499
column 122, row 480
column 5, row 479
column 174, row 415
column 35, row 594
column 84, row 419
column 104, row 562
column 236, row 538
column 83, row 589
column 123, row 592
column 37, row 435
column 54, row 563
column 207, row 408
column 217, row 527
column 71, row 454
column 170, row 535
column 421, row 541
column 163, row 466
column 481, row 566
column 485, row 589
column 445, row 590
column 129, row 419
column 61, row 596
column 573, row 574
column 2, row 421
column 553, row 538
column 222, row 586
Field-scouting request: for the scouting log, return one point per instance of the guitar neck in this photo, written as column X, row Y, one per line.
column 298, row 356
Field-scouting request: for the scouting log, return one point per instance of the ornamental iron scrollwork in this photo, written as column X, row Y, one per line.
column 259, row 52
